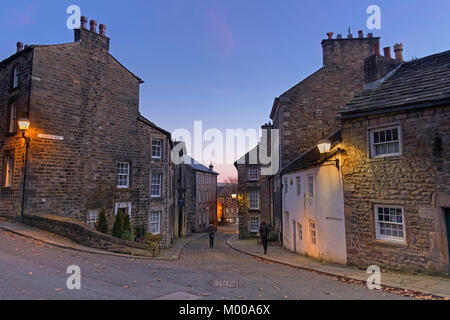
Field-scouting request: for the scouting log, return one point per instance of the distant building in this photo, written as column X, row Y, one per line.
column 197, row 196
column 227, row 205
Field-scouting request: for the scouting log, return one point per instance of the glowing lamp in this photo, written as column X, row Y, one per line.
column 324, row 146
column 24, row 124
column 234, row 196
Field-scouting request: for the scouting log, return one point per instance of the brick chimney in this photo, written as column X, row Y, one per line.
column 376, row 67
column 398, row 49
column 90, row 39
column 268, row 126
column 211, row 167
column 343, row 52
column 19, row 46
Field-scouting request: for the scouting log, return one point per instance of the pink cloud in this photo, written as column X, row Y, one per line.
column 22, row 16
column 218, row 30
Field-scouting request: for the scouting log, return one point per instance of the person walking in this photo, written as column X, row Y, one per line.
column 211, row 230
column 264, row 230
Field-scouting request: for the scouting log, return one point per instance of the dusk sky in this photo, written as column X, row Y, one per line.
column 224, row 61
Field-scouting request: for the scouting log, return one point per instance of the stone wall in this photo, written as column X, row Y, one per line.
column 418, row 180
column 82, row 234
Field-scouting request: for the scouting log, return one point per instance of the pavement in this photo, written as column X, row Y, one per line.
column 173, row 252
column 418, row 284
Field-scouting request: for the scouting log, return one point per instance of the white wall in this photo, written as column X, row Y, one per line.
column 326, row 208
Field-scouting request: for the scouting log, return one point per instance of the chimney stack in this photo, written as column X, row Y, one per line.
column 387, row 52
column 102, row 29
column 83, row 21
column 93, row 25
column 370, row 35
column 211, row 167
column 330, row 35
column 398, row 49
column 360, row 34
column 376, row 49
column 19, row 46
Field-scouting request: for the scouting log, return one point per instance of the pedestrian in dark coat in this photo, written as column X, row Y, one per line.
column 211, row 230
column 264, row 230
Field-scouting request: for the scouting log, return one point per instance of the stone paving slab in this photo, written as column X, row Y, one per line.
column 173, row 252
column 425, row 284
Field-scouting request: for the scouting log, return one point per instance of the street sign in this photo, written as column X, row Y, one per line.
column 50, row 137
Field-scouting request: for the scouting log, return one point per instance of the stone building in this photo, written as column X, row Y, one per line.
column 396, row 164
column 89, row 146
column 197, row 194
column 227, row 203
column 307, row 112
column 254, row 188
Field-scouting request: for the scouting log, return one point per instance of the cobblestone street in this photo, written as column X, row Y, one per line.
column 35, row 270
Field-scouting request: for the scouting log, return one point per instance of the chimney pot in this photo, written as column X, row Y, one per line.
column 330, row 35
column 102, row 29
column 93, row 25
column 370, row 35
column 19, row 46
column 350, row 36
column 83, row 21
column 360, row 34
column 339, row 36
column 376, row 49
column 387, row 52
column 398, row 49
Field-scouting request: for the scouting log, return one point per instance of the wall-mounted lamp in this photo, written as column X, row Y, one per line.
column 234, row 196
column 24, row 124
column 324, row 146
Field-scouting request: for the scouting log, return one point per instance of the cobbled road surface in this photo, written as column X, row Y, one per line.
column 34, row 270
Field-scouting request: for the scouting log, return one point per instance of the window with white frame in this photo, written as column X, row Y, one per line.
column 123, row 175
column 92, row 218
column 311, row 186
column 16, row 73
column 12, row 118
column 254, row 199
column 124, row 207
column 157, row 149
column 154, row 225
column 254, row 224
column 298, row 182
column 313, row 231
column 385, row 142
column 8, row 169
column 156, row 185
column 389, row 223
column 253, row 173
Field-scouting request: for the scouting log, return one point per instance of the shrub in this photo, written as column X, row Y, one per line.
column 102, row 225
column 117, row 229
column 152, row 238
column 139, row 231
column 128, row 235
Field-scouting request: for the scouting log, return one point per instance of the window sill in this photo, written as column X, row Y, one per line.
column 385, row 158
column 391, row 243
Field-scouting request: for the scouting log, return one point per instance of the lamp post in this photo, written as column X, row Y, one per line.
column 24, row 124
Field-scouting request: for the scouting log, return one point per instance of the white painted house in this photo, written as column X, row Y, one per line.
column 313, row 205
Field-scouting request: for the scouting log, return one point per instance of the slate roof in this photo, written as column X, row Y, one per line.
column 312, row 157
column 197, row 166
column 419, row 83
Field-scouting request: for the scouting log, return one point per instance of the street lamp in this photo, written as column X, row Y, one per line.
column 324, row 146
column 24, row 124
column 234, row 196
